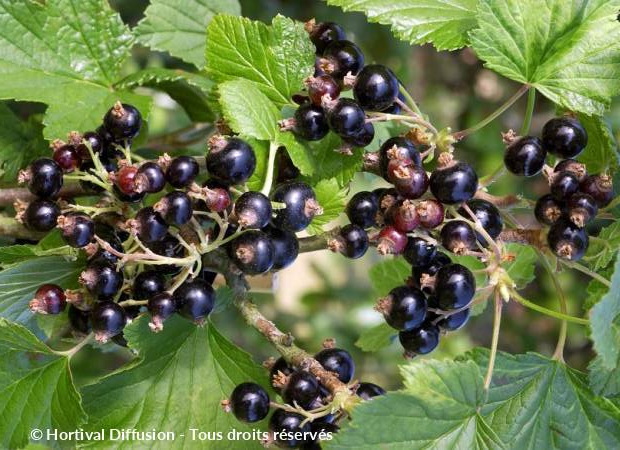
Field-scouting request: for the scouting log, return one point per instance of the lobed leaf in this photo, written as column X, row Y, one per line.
column 332, row 199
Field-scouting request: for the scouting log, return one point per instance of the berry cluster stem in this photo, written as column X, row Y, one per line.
column 273, row 151
column 497, row 321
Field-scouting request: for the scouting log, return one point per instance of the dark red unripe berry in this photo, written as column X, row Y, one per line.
column 289, row 428
column 399, row 148
column 369, row 390
column 194, row 300
column 126, row 178
column 285, row 247
column 147, row 284
column 525, row 156
column 404, row 308
column 564, row 137
column 575, row 167
column 249, row 402
column 231, row 161
column 600, row 187
column 391, row 241
column 455, row 286
column 458, row 237
column 488, row 215
column 67, row 158
column 403, row 216
column 567, row 240
column 182, row 171
column 419, row 252
column 41, row 215
column 301, row 206
column 338, row 361
column 324, row 33
column 352, row 242
column 548, row 210
column 78, row 230
column 122, row 121
column 44, row 177
column 102, row 280
column 252, row 252
column 150, row 178
column 343, row 57
column 376, row 87
column 302, row 388
column 346, row 118
column 431, row 213
column 320, row 86
column 362, row 209
column 161, row 306
column 581, row 209
column 108, row 319
column 564, row 185
column 149, row 225
column 310, row 122
column 456, row 182
column 49, row 299
column 420, row 341
column 175, row 207
column 253, row 210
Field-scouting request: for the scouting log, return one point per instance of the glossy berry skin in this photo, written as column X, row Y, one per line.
column 454, row 321
column 455, row 286
column 78, row 230
column 362, row 138
column 67, row 158
column 232, row 164
column 107, row 319
column 369, row 390
column 194, row 300
column 414, row 185
column 567, row 240
column 253, row 210
column 102, row 280
column 302, row 388
column 79, row 320
column 564, row 185
column 150, row 178
column 488, row 215
column 300, row 206
column 96, row 144
column 182, row 171
column 600, row 187
column 345, row 56
column 440, row 260
column 320, row 86
column 41, row 215
column 279, row 366
column 252, row 252
column 362, row 209
column 49, row 299
column 353, row 240
column 134, row 197
column 285, row 247
column 397, row 148
column 376, row 87
column 419, row 252
column 151, row 226
column 581, row 209
column 548, row 210
column 391, row 241
column 249, row 402
column 176, row 208
column 420, row 341
column 573, row 166
column 125, row 179
column 387, row 197
column 169, row 247
column 405, row 308
column 147, row 284
column 403, row 216
column 324, row 33
column 45, row 178
column 338, row 361
column 431, row 213
column 310, row 122
column 346, row 118
column 525, row 156
column 458, row 236
column 564, row 137
column 288, row 425
column 123, row 122
column 455, row 183
column 160, row 306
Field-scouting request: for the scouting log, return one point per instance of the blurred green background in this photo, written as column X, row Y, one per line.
column 323, row 295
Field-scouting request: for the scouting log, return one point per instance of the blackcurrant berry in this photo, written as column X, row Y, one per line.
column 102, row 280
column 346, row 118
column 76, row 229
column 161, row 306
column 44, row 178
column 320, row 86
column 302, row 388
column 564, row 185
column 581, row 209
column 369, row 390
column 253, row 210
column 525, row 157
column 352, row 242
column 300, row 206
column 362, row 209
column 418, row 273
column 252, row 252
column 67, row 158
column 79, row 320
column 41, row 215
column 431, row 213
column 150, row 178
column 454, row 321
column 147, row 284
column 249, row 402
column 324, row 33
column 170, row 247
column 391, row 241
column 182, row 171
column 150, row 226
column 107, row 233
column 458, row 237
column 488, row 215
column 108, row 319
column 48, row 299
column 231, row 161
column 419, row 252
column 567, row 240
column 362, row 138
column 338, row 361
column 575, row 167
column 343, row 57
column 403, row 216
column 217, row 198
column 455, row 182
column 455, row 286
column 395, row 108
column 600, row 187
column 286, row 169
column 126, row 179
column 310, row 122
column 285, row 247
column 548, row 210
column 288, row 428
column 280, row 366
column 175, row 207
column 95, row 141
column 420, row 341
column 412, row 182
column 376, row 87
column 404, row 308
column 194, row 300
column 564, row 137
column 386, row 198
column 122, row 121
column 399, row 148
column 134, row 197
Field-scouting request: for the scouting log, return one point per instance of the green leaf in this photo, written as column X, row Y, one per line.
column 604, row 381
column 437, row 409
column 596, row 290
column 277, row 58
column 19, row 283
column 376, row 338
column 602, row 250
column 51, row 245
column 66, row 52
column 443, row 23
column 332, row 199
column 261, row 150
column 35, row 392
column 300, row 153
column 570, row 52
column 605, row 323
column 388, row 274
column 181, row 376
column 329, row 163
column 521, row 268
column 178, row 26
column 601, row 153
column 20, row 143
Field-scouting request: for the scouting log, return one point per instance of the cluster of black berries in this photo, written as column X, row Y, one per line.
column 120, row 234
column 574, row 196
column 249, row 402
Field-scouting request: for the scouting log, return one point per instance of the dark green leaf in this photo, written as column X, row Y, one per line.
column 601, row 153
column 376, row 338
column 521, row 268
column 332, row 199
column 605, row 323
column 602, row 250
column 604, row 381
